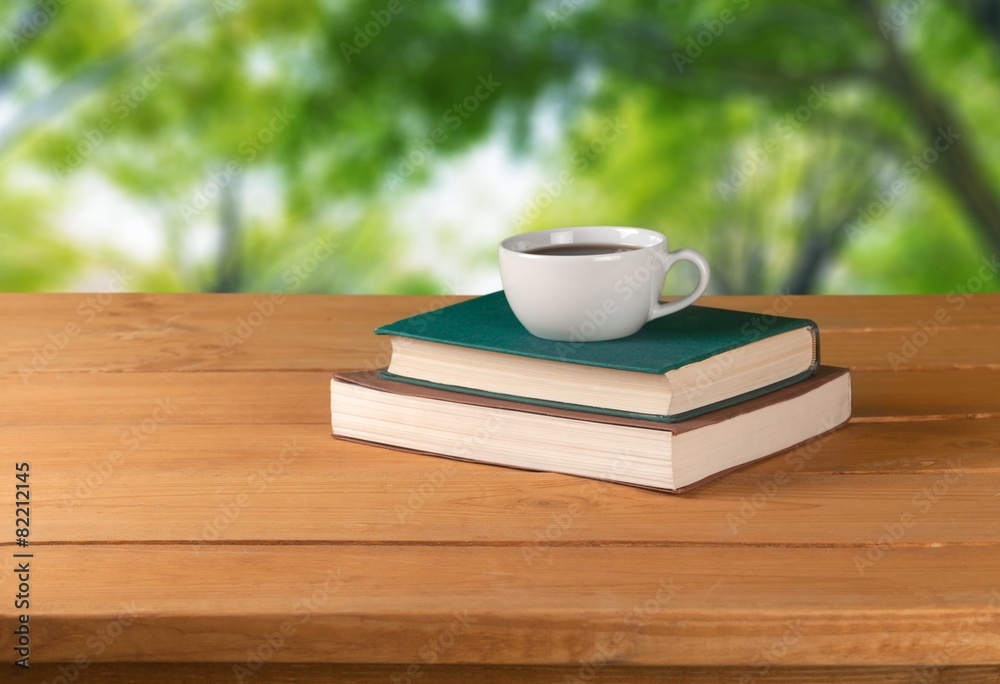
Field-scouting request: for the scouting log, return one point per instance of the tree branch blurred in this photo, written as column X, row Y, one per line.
column 332, row 113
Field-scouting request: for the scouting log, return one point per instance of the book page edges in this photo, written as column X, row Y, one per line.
column 830, row 376
column 372, row 380
column 650, row 488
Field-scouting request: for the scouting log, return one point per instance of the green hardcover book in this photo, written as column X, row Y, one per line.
column 679, row 366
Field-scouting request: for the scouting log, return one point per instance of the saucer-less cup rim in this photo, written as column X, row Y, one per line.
column 642, row 238
column 647, row 241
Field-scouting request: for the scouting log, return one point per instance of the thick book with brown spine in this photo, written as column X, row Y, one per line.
column 671, row 457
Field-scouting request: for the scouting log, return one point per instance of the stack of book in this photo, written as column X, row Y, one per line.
column 689, row 397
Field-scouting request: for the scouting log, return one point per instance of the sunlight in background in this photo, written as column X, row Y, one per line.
column 467, row 209
column 119, row 120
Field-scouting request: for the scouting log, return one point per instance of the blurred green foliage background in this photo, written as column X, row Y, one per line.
column 387, row 145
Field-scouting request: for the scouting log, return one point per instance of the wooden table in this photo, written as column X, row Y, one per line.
column 189, row 507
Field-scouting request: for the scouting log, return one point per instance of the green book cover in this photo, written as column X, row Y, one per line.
column 690, row 335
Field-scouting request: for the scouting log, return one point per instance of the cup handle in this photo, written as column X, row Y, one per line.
column 704, row 273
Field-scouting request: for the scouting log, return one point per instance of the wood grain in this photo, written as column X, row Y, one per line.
column 867, row 448
column 282, row 397
column 205, row 398
column 911, row 349
column 312, row 673
column 329, row 332
column 198, row 486
column 434, row 605
column 927, row 395
column 184, row 470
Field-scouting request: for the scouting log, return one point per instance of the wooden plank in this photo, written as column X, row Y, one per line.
column 905, row 350
column 475, row 605
column 926, row 395
column 127, row 399
column 565, row 564
column 216, row 311
column 85, row 471
column 249, row 484
column 873, row 312
column 865, row 448
column 311, row 332
column 311, row 673
column 903, row 447
column 200, row 332
column 526, row 509
column 303, row 397
column 912, row 349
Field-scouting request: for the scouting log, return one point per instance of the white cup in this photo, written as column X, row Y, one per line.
column 592, row 297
